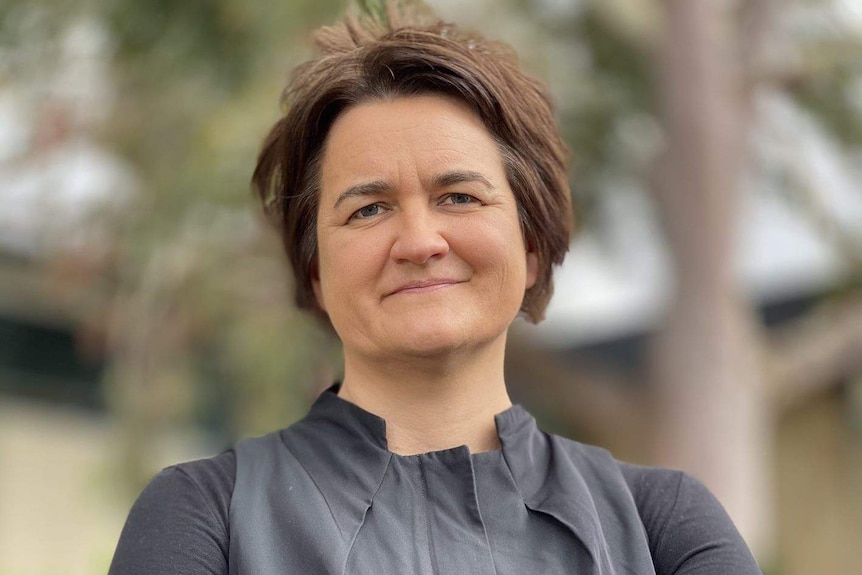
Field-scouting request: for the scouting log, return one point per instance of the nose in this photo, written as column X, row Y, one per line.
column 418, row 238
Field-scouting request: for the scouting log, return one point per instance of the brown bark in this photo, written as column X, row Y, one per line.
column 712, row 418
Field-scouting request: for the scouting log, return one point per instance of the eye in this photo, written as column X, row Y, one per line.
column 367, row 212
column 457, row 199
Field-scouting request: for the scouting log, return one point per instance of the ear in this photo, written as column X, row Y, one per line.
column 532, row 270
column 318, row 294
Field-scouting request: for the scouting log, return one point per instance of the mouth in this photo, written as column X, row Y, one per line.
column 424, row 286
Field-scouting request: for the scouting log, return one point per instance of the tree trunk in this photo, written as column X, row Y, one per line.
column 712, row 415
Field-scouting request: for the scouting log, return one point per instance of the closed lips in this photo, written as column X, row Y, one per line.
column 424, row 284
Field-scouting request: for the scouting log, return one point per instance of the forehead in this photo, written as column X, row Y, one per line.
column 382, row 138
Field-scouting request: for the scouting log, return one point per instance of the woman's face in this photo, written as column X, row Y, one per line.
column 420, row 250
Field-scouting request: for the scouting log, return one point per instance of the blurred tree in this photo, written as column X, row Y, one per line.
column 202, row 307
column 692, row 72
column 712, row 418
column 195, row 316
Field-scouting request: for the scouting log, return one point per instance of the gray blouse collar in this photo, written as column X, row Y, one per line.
column 343, row 449
column 354, row 425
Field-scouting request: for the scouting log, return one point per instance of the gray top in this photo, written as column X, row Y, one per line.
column 326, row 496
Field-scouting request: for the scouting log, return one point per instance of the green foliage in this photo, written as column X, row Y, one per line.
column 208, row 294
column 612, row 82
column 619, row 84
column 29, row 36
column 834, row 95
column 374, row 9
column 178, row 37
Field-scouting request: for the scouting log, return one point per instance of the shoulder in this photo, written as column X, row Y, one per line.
column 208, row 482
column 179, row 523
column 655, row 488
column 688, row 529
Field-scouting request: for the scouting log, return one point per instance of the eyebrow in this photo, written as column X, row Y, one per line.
column 447, row 179
column 362, row 190
column 443, row 180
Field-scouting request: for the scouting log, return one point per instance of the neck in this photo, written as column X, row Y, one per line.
column 429, row 404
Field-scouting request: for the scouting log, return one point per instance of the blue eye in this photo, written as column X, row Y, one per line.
column 368, row 211
column 460, row 199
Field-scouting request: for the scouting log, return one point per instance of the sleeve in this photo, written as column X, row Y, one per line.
column 172, row 529
column 689, row 531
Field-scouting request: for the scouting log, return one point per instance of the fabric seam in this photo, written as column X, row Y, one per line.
column 364, row 515
column 316, row 486
column 428, row 535
column 479, row 508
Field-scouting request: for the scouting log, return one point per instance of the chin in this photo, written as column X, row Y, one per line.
column 436, row 339
column 432, row 348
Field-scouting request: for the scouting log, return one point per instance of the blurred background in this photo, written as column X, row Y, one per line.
column 708, row 317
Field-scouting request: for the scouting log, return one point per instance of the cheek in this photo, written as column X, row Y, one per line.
column 348, row 263
column 500, row 253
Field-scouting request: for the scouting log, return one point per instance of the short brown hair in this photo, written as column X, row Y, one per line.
column 402, row 56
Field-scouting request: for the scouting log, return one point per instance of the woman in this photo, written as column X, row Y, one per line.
column 419, row 183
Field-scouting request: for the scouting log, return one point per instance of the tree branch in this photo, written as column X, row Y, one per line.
column 756, row 24
column 816, row 352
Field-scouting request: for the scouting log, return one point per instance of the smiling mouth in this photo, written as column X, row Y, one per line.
column 424, row 287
